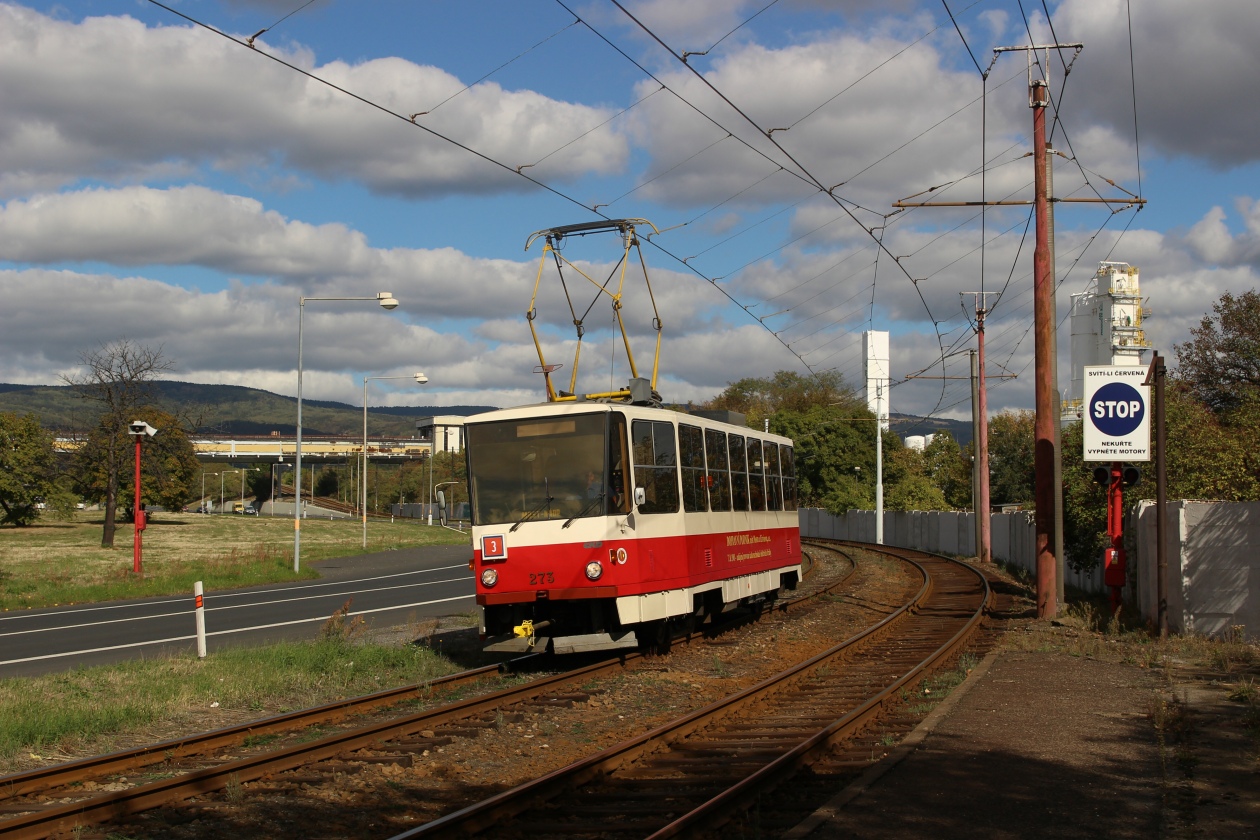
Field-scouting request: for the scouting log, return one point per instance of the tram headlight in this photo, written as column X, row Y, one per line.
column 489, row 577
column 594, row 570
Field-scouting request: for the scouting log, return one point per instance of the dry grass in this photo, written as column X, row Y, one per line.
column 94, row 710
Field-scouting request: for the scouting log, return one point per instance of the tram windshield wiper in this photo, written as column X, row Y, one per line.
column 546, row 503
column 590, row 506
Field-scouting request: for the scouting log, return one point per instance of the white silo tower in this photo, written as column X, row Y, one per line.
column 1106, row 326
column 875, row 370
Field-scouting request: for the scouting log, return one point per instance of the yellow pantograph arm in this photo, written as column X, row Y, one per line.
column 530, row 314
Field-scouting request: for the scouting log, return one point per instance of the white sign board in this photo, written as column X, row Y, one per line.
column 1117, row 414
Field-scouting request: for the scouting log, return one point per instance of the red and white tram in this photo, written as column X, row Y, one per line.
column 601, row 525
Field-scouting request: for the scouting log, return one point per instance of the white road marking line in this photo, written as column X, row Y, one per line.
column 189, row 611
column 225, row 632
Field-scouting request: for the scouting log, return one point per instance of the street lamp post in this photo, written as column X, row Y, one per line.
column 420, row 379
column 202, row 504
column 387, row 301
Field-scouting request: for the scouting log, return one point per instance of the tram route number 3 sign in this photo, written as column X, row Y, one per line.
column 1117, row 414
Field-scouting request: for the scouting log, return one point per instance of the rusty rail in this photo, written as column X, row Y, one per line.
column 709, row 763
column 42, row 821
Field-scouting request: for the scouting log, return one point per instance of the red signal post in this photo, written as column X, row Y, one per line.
column 1113, row 557
column 139, row 511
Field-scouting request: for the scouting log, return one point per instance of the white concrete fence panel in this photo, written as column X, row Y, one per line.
column 1213, row 555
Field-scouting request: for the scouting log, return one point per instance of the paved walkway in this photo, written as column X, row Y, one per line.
column 1036, row 745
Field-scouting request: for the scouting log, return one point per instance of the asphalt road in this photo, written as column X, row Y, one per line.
column 387, row 588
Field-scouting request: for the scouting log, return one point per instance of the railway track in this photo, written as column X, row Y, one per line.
column 195, row 768
column 694, row 773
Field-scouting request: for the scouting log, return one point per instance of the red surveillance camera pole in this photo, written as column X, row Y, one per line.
column 138, row 431
column 139, row 511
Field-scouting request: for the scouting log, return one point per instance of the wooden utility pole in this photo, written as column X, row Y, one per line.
column 1045, row 447
column 1156, row 375
column 1046, row 456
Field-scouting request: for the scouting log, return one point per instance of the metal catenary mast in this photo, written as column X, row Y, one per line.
column 1047, row 458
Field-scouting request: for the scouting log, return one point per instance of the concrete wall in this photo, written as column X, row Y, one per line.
column 943, row 532
column 1213, row 555
column 1013, row 536
column 1213, row 581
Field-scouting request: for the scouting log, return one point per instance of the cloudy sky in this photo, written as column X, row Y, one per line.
column 167, row 184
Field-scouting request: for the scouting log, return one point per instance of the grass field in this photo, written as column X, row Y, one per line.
column 57, row 717
column 54, row 563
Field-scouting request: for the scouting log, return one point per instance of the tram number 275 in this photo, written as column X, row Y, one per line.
column 539, row 578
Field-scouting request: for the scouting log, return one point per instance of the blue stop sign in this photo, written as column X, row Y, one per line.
column 1116, row 409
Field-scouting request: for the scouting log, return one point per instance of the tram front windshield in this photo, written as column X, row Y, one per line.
column 538, row 468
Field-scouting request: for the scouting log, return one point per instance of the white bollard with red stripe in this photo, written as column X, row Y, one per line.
column 201, row 620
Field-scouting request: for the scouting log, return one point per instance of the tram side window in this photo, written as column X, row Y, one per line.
column 789, row 477
column 656, row 465
column 739, row 473
column 756, row 479
column 691, row 457
column 719, row 470
column 617, row 499
column 774, row 490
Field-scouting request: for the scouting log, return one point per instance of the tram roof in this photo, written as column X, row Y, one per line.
column 565, row 409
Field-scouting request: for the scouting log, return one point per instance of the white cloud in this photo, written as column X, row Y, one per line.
column 1194, row 66
column 879, row 108
column 113, row 99
column 140, row 226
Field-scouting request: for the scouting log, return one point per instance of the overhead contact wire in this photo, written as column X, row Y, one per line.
column 474, row 152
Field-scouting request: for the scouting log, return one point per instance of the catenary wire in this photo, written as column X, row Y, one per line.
column 510, row 61
column 464, row 147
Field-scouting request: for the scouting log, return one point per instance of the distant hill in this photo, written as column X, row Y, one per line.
column 229, row 410
column 238, row 410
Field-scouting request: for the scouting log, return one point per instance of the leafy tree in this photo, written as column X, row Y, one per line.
column 169, row 470
column 949, row 469
column 258, row 484
column 327, row 483
column 834, row 439
column 1211, row 456
column 785, row 391
column 1011, row 475
column 835, row 455
column 907, row 485
column 27, row 468
column 118, row 378
column 1084, row 504
column 1221, row 363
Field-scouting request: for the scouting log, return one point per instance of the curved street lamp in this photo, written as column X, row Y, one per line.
column 387, row 301
column 420, row 379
